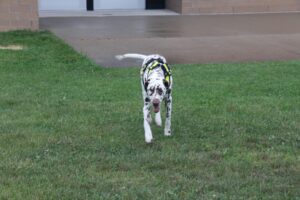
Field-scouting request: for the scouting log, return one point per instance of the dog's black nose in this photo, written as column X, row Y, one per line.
column 155, row 102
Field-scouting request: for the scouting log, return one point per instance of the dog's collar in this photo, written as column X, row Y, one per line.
column 153, row 60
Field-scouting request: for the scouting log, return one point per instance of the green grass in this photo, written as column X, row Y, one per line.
column 72, row 130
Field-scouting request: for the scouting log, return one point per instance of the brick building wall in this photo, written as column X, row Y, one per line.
column 232, row 6
column 18, row 14
column 175, row 5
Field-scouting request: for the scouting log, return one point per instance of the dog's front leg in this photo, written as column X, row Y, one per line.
column 167, row 130
column 147, row 128
column 158, row 119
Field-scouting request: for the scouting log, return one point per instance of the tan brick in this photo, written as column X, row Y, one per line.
column 18, row 14
column 175, row 5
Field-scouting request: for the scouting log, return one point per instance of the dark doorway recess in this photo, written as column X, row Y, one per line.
column 155, row 4
column 89, row 4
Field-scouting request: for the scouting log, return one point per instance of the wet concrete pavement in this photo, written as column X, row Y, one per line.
column 182, row 39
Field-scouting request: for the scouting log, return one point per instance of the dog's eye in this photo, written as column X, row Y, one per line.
column 151, row 91
column 160, row 91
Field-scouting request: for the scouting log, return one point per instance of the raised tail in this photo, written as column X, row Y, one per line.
column 131, row 55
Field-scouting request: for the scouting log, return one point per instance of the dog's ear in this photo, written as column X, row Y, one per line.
column 166, row 83
column 146, row 84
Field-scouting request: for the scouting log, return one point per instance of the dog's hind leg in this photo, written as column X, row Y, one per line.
column 167, row 130
column 158, row 119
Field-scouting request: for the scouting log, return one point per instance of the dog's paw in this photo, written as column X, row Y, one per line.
column 148, row 140
column 148, row 136
column 167, row 132
column 119, row 57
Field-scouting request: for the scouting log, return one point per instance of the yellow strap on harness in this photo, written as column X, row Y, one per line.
column 166, row 68
column 153, row 66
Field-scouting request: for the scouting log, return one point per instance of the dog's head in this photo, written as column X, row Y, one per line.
column 156, row 91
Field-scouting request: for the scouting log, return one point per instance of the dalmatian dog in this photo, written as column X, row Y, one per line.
column 156, row 82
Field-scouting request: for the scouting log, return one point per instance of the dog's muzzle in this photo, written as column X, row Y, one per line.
column 156, row 103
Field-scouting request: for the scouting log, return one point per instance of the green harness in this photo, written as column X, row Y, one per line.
column 165, row 67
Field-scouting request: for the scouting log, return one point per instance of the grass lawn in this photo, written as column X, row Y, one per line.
column 72, row 130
